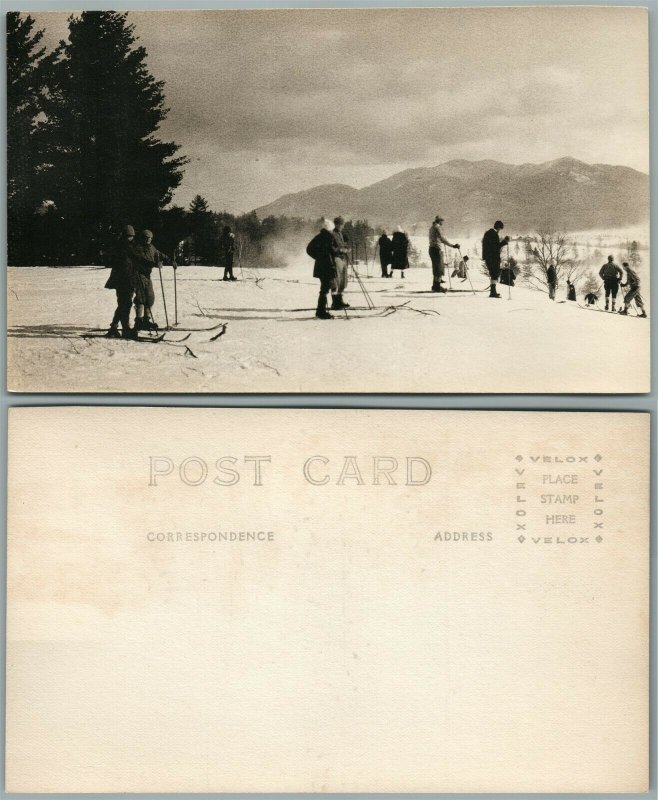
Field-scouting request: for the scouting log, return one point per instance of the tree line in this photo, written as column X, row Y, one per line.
column 83, row 152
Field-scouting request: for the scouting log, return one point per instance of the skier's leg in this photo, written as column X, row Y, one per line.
column 494, row 273
column 321, row 310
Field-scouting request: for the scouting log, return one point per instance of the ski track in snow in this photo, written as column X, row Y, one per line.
column 273, row 343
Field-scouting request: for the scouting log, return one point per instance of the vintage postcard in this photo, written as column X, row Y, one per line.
column 329, row 200
column 228, row 600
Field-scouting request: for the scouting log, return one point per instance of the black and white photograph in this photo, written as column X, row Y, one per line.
column 408, row 200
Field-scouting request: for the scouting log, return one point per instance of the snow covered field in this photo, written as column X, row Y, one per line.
column 414, row 341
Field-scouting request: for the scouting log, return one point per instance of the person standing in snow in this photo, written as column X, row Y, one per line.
column 437, row 238
column 551, row 279
column 122, row 281
column 341, row 260
column 227, row 252
column 400, row 254
column 492, row 244
column 633, row 293
column 571, row 290
column 385, row 254
column 611, row 275
column 322, row 249
column 148, row 257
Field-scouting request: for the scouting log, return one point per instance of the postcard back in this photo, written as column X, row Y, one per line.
column 224, row 600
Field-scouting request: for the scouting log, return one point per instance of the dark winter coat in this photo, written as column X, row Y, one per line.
column 591, row 298
column 400, row 254
column 123, row 266
column 492, row 244
column 551, row 274
column 611, row 270
column 385, row 250
column 571, row 292
column 322, row 248
column 226, row 249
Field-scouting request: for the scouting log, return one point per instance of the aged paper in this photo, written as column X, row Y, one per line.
column 478, row 179
column 327, row 601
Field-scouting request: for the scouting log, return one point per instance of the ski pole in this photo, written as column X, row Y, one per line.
column 164, row 302
column 468, row 273
column 175, row 265
column 509, row 276
column 445, row 253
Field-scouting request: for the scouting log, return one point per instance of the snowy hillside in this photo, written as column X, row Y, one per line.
column 413, row 340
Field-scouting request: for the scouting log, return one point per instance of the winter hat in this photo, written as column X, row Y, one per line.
column 327, row 225
column 146, row 232
column 398, row 228
column 438, row 218
column 611, row 258
column 128, row 230
column 339, row 221
column 498, row 225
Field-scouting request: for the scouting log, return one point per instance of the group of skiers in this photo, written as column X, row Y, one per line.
column 612, row 276
column 393, row 252
column 132, row 261
column 329, row 250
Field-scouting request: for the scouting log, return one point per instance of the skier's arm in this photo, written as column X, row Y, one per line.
column 444, row 240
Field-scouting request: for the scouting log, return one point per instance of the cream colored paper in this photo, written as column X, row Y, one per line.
column 345, row 647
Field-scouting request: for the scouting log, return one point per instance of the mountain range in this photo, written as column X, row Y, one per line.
column 565, row 194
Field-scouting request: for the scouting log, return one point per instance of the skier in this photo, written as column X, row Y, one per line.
column 322, row 248
column 461, row 270
column 611, row 275
column 591, row 299
column 436, row 254
column 551, row 279
column 122, row 281
column 385, row 254
column 400, row 256
column 633, row 283
column 341, row 262
column 226, row 253
column 492, row 244
column 509, row 272
column 571, row 290
column 148, row 256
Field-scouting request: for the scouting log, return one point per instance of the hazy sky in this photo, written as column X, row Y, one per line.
column 269, row 102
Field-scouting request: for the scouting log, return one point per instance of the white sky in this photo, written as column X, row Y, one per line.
column 269, row 102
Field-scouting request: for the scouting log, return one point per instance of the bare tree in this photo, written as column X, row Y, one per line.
column 546, row 248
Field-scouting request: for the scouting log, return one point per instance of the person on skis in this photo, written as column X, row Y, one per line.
column 323, row 250
column 227, row 252
column 385, row 254
column 461, row 269
column 437, row 238
column 492, row 244
column 148, row 257
column 611, row 275
column 122, row 281
column 341, row 260
column 633, row 293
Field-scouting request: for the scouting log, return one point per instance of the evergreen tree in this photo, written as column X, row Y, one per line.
column 29, row 74
column 110, row 168
column 204, row 231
